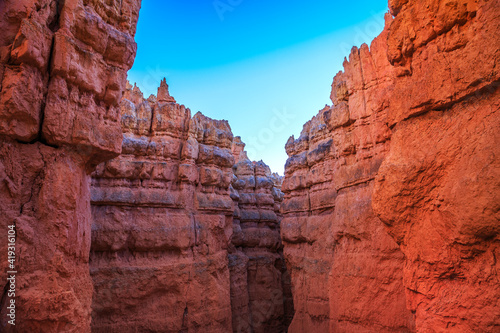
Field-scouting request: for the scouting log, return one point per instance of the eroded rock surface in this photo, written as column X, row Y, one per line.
column 260, row 283
column 167, row 254
column 391, row 206
column 345, row 268
column 62, row 73
column 438, row 190
column 413, row 135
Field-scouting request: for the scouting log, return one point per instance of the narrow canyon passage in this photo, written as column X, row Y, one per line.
column 133, row 215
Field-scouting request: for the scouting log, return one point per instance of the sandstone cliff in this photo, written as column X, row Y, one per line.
column 438, row 189
column 390, row 213
column 345, row 268
column 166, row 253
column 62, row 71
column 260, row 283
column 413, row 133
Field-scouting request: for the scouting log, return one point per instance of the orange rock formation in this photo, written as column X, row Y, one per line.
column 132, row 215
column 63, row 66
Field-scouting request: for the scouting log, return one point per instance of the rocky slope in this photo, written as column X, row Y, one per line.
column 164, row 256
column 409, row 149
column 62, row 71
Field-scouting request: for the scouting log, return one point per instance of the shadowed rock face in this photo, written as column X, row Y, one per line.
column 62, row 72
column 261, row 294
column 410, row 149
column 166, row 253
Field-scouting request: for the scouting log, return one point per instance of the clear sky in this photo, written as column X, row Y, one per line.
column 265, row 66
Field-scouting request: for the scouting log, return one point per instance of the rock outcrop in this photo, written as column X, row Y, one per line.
column 62, row 73
column 163, row 255
column 409, row 149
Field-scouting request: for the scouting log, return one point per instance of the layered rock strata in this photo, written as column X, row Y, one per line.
column 164, row 212
column 409, row 149
column 62, row 73
column 260, row 283
column 185, row 229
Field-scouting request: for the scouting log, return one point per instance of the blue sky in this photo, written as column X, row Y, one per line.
column 265, row 66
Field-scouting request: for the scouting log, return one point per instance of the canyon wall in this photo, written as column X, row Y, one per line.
column 390, row 212
column 63, row 66
column 438, row 189
column 256, row 259
column 345, row 268
column 185, row 233
column 409, row 149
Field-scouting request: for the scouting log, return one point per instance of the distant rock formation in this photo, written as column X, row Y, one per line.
column 345, row 268
column 260, row 284
column 183, row 237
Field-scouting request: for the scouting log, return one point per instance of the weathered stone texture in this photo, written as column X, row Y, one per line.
column 166, row 253
column 438, row 190
column 413, row 135
column 345, row 269
column 62, row 72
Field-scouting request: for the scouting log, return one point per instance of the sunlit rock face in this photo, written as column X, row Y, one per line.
column 409, row 149
column 389, row 215
column 346, row 270
column 185, row 233
column 438, row 189
column 63, row 66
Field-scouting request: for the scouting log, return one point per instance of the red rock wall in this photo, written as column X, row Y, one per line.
column 345, row 268
column 408, row 149
column 438, row 190
column 62, row 72
column 163, row 228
